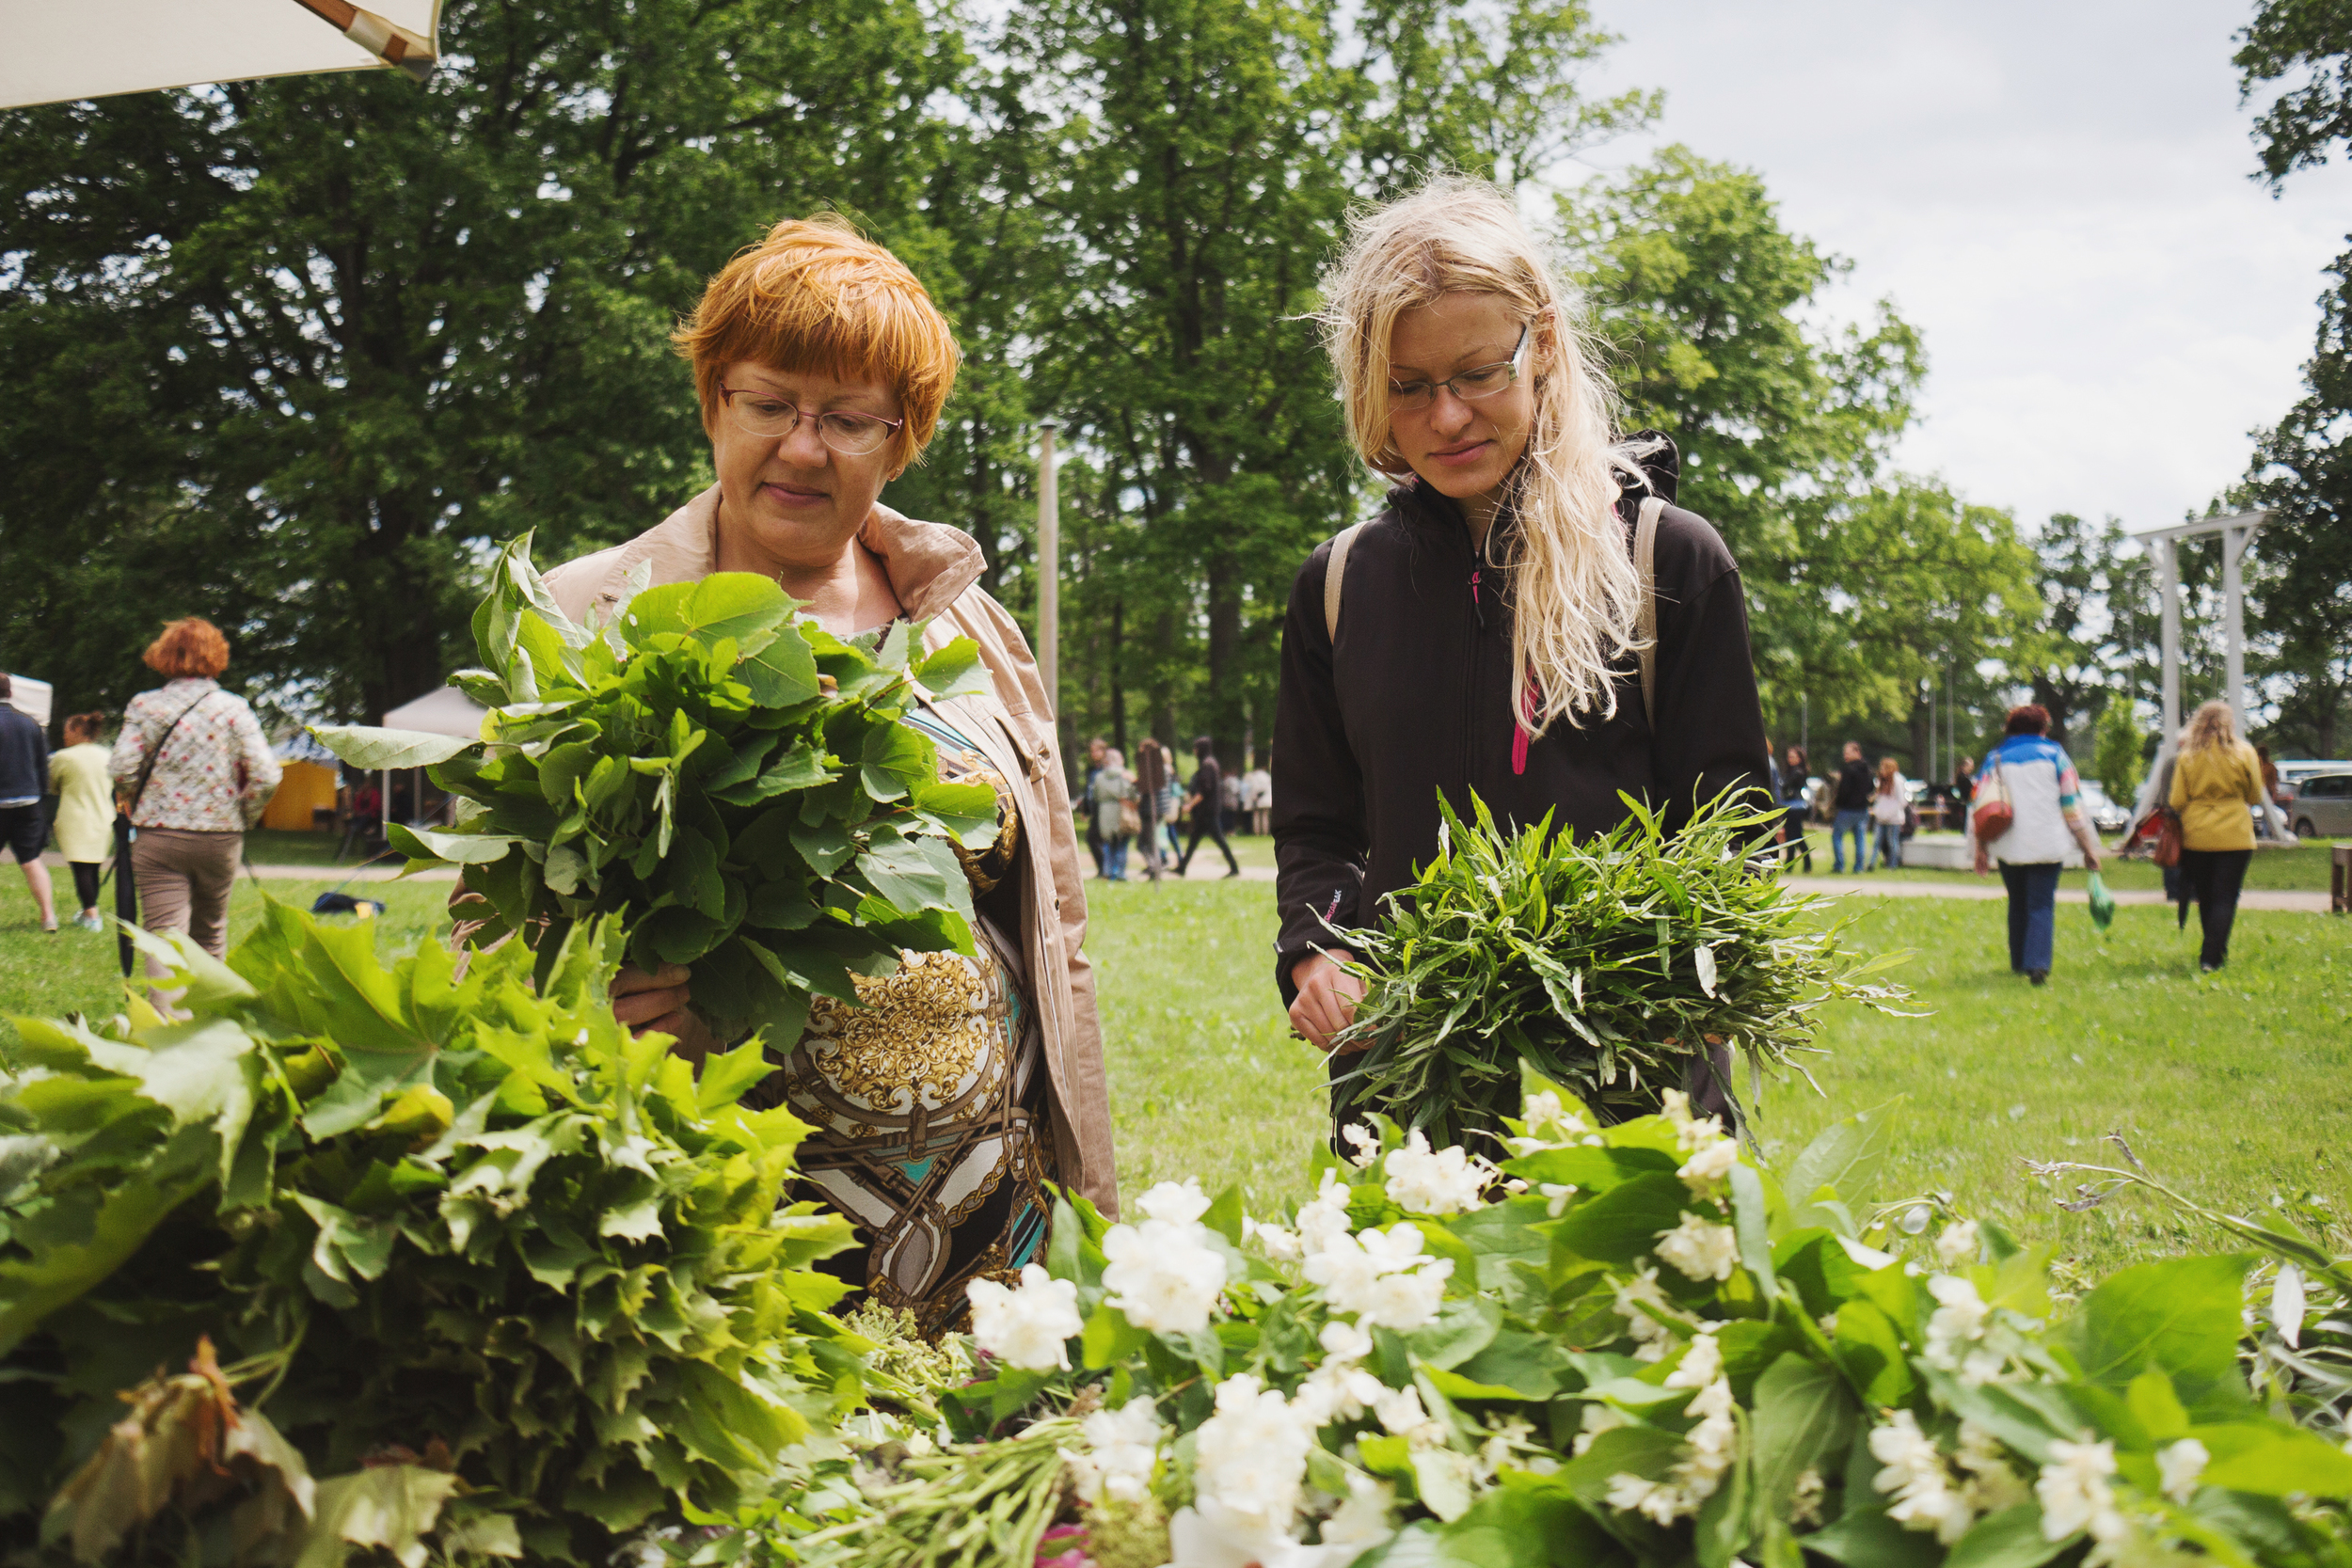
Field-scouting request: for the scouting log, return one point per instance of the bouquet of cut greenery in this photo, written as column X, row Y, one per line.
column 456, row 1265
column 1609, row 965
column 733, row 782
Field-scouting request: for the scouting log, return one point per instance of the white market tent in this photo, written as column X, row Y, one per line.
column 447, row 711
column 98, row 48
column 31, row 698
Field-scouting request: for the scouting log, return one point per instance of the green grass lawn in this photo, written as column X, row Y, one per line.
column 2302, row 868
column 2229, row 1085
column 2234, row 1086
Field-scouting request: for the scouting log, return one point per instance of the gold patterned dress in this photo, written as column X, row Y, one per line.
column 930, row 1099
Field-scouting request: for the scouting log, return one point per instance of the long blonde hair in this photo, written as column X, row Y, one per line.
column 1573, row 590
column 2212, row 724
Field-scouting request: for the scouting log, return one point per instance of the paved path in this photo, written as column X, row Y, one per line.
column 2253, row 898
column 382, row 871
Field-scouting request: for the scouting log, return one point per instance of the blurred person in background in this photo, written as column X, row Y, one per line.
column 86, row 810
column 1890, row 804
column 1852, row 805
column 1095, row 749
column 1257, row 798
column 2214, row 778
column 1114, row 788
column 1207, row 805
column 197, row 772
column 23, row 779
column 1153, row 785
column 2038, row 779
column 1794, row 773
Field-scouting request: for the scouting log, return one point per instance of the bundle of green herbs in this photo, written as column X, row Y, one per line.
column 456, row 1265
column 1609, row 965
column 731, row 779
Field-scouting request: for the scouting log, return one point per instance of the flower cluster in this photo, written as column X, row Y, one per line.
column 1446, row 1181
column 1927, row 1496
column 1956, row 1331
column 1708, row 1449
column 1166, row 1275
column 1122, row 1446
column 1250, row 1472
column 1381, row 1276
column 1701, row 1249
column 1029, row 1328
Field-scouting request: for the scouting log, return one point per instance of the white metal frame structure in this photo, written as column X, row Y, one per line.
column 2237, row 531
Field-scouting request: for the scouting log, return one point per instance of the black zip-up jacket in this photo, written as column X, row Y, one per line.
column 1416, row 699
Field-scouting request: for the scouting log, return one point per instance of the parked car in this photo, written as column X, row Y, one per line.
column 2292, row 774
column 2106, row 816
column 2322, row 806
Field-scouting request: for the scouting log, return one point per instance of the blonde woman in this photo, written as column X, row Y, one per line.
column 2214, row 779
column 1488, row 632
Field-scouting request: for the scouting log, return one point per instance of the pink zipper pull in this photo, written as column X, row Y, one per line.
column 1474, row 585
column 1518, row 724
column 1519, row 749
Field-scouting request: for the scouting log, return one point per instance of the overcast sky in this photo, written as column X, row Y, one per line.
column 2054, row 193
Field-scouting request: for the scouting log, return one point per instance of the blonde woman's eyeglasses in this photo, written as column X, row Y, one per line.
column 1479, row 381
column 771, row 418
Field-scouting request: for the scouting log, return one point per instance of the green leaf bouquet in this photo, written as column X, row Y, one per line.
column 1608, row 964
column 729, row 778
column 454, row 1262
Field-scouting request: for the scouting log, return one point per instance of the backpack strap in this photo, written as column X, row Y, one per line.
column 1645, row 617
column 1335, row 578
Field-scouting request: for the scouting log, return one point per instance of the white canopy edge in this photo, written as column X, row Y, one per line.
column 447, row 711
column 100, row 48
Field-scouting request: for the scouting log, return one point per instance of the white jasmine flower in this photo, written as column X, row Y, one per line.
column 1556, row 1195
column 1957, row 1244
column 1400, row 1412
column 1993, row 1486
column 1959, row 1318
column 1496, row 1450
column 1711, row 1165
column 1381, row 1277
column 1122, row 1446
column 1364, row 1141
column 1250, row 1456
column 1805, row 1504
column 1336, row 1391
column 1700, row 1249
column 1028, row 1326
column 1692, row 1133
column 1652, row 1338
column 1343, row 1341
column 2179, row 1467
column 1163, row 1276
column 1515, row 1186
column 2075, row 1492
column 1365, row 1518
column 1548, row 1124
column 1447, row 1181
column 1325, row 1216
column 1915, row 1477
column 1700, row 1365
column 1177, row 1205
column 1597, row 1419
column 1276, row 1242
column 1630, row 1493
column 1211, row 1535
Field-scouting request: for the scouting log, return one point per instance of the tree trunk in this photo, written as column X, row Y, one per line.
column 1119, row 682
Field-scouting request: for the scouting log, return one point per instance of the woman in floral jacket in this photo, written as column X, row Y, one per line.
column 195, row 772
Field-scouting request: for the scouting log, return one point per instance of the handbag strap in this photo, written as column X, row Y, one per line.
column 155, row 752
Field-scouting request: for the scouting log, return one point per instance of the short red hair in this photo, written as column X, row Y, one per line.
column 818, row 298
column 190, row 647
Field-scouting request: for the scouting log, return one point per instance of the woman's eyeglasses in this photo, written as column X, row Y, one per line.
column 1479, row 381
column 771, row 418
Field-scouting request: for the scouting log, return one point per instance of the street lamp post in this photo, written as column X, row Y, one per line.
column 1048, row 568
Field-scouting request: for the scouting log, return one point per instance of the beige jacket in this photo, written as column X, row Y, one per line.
column 934, row 570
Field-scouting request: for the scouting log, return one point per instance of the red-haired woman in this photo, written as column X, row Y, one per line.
column 822, row 366
column 195, row 771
